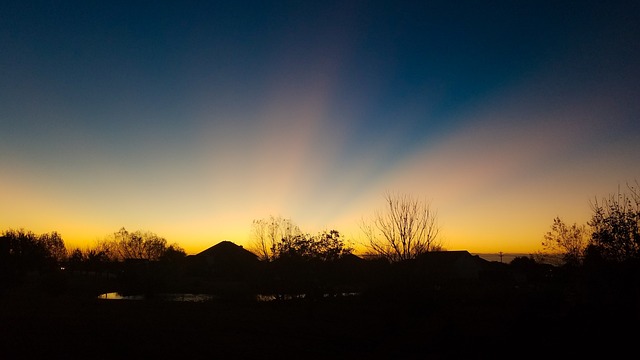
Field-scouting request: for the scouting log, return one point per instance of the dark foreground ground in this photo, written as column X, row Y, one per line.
column 63, row 327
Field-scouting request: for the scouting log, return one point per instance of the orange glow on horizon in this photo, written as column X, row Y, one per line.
column 496, row 181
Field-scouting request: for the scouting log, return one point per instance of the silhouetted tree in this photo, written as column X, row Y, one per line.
column 173, row 253
column 26, row 251
column 615, row 223
column 23, row 252
column 534, row 271
column 75, row 260
column 268, row 232
column 94, row 259
column 570, row 242
column 406, row 228
column 304, row 264
column 137, row 245
column 54, row 246
column 326, row 246
column 330, row 246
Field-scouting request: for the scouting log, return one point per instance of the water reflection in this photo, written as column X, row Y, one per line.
column 266, row 297
column 165, row 297
column 118, row 296
column 209, row 297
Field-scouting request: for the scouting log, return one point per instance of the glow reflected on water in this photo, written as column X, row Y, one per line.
column 165, row 297
column 209, row 297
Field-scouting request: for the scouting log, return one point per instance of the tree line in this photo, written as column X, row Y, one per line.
column 611, row 235
column 403, row 230
column 22, row 251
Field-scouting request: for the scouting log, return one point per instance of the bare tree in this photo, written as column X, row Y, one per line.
column 406, row 228
column 268, row 232
column 569, row 242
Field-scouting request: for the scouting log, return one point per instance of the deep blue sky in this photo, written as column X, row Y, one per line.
column 191, row 119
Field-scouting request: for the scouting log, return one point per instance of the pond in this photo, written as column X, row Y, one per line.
column 165, row 297
column 207, row 297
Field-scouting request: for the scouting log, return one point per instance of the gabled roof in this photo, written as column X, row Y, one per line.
column 229, row 250
column 447, row 258
column 351, row 258
column 451, row 264
column 447, row 255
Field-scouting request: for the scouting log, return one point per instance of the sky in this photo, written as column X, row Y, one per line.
column 191, row 119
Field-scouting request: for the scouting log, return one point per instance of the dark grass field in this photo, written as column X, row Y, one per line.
column 460, row 322
column 345, row 328
column 68, row 328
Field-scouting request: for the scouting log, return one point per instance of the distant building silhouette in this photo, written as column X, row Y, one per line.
column 451, row 265
column 227, row 250
column 225, row 261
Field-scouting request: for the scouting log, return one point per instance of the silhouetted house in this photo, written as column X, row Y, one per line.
column 450, row 265
column 351, row 259
column 348, row 272
column 225, row 261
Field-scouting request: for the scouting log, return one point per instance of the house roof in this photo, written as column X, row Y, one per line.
column 227, row 249
column 448, row 257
